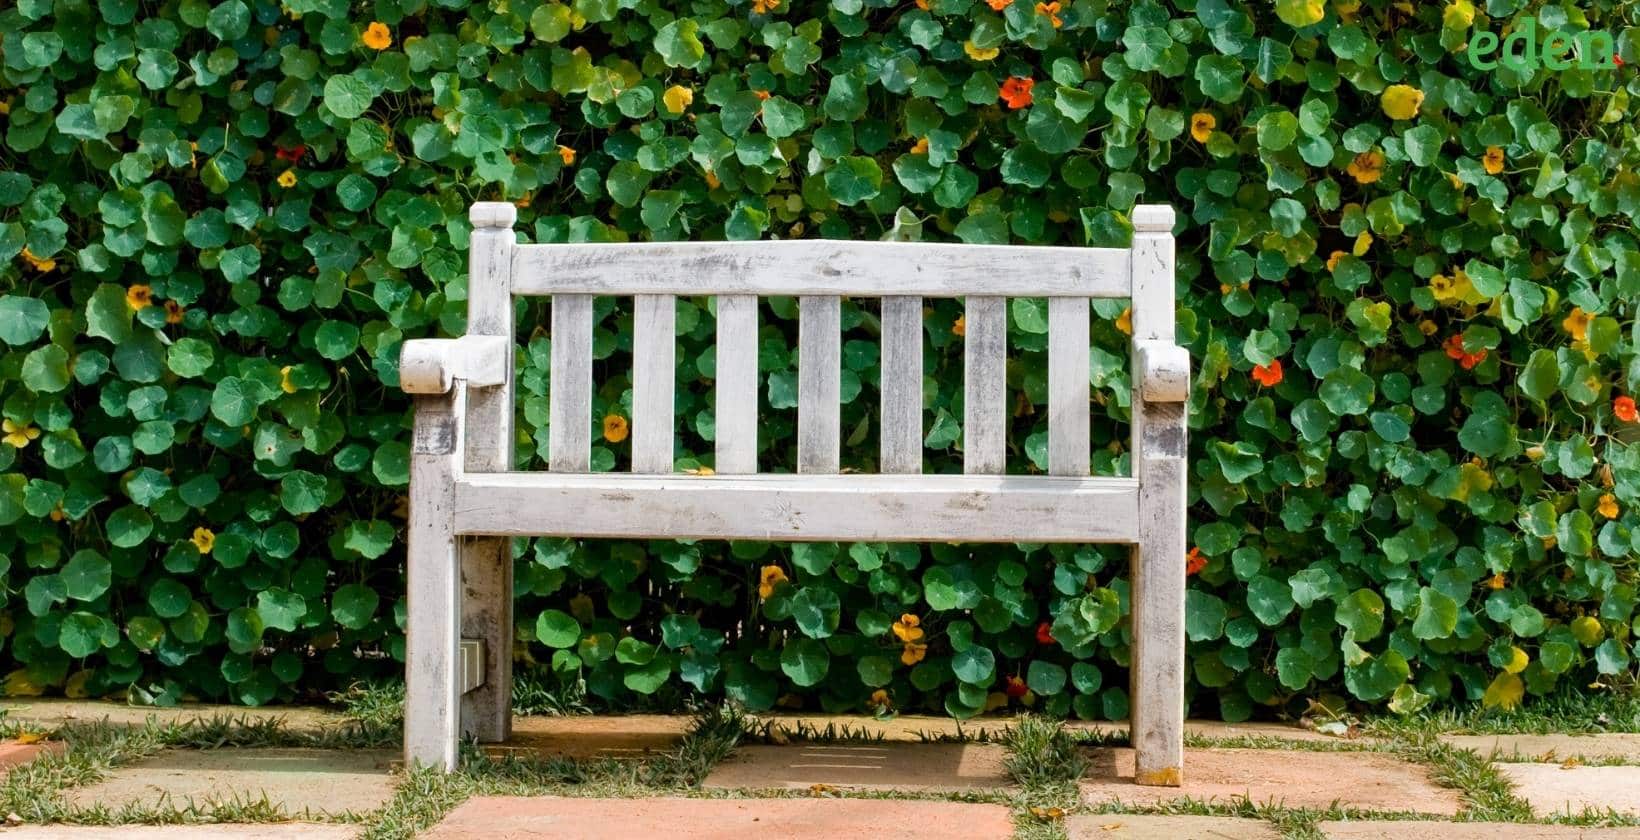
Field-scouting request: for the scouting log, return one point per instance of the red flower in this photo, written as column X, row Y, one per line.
column 1269, row 375
column 1455, row 351
column 1454, row 347
column 1470, row 360
column 1017, row 92
column 1015, row 687
column 292, row 154
column 1625, row 410
column 1617, row 60
column 1194, row 561
column 1044, row 634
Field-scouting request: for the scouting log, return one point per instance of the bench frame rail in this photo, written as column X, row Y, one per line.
column 467, row 501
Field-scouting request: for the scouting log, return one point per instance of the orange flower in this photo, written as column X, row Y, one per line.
column 615, row 428
column 1492, row 161
column 1497, row 581
column 1194, row 561
column 770, row 578
column 913, row 652
column 139, row 296
column 1367, row 167
column 1202, row 125
column 567, row 155
column 763, row 7
column 1051, row 12
column 1625, row 410
column 880, row 699
column 1333, row 258
column 960, row 326
column 41, row 264
column 1016, row 92
column 999, row 5
column 1608, row 506
column 1124, row 321
column 1470, row 360
column 377, row 36
column 1577, row 323
column 922, row 4
column 762, row 95
column 920, row 147
column 1467, row 360
column 173, row 312
column 908, row 628
column 1269, row 375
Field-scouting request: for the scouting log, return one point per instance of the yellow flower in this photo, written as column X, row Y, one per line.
column 1608, row 506
column 913, row 653
column 1492, row 161
column 203, row 539
column 678, row 98
column 771, row 576
column 1459, row 15
column 1518, row 660
column 1455, row 289
column 960, row 326
column 615, row 428
column 40, row 264
column 907, row 628
column 980, row 53
column 18, row 435
column 763, row 7
column 377, row 36
column 287, row 179
column 920, row 147
column 1577, row 323
column 1124, row 321
column 1362, row 244
column 1202, row 125
column 1427, row 327
column 1367, row 167
column 285, row 384
column 174, row 312
column 567, row 154
column 1497, row 581
column 1401, row 102
column 712, row 181
column 139, row 296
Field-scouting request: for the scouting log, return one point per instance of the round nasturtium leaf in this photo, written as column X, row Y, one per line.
column 805, row 661
column 557, row 629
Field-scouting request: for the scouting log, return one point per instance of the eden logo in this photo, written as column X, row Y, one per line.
column 1557, row 50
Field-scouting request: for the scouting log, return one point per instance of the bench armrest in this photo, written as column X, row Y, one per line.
column 1164, row 371
column 430, row 365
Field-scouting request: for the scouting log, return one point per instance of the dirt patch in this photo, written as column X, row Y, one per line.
column 48, row 713
column 886, row 766
column 623, row 736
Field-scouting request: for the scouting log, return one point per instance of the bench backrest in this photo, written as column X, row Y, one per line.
column 818, row 273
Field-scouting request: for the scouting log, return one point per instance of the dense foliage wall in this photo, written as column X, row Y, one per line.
column 1408, row 285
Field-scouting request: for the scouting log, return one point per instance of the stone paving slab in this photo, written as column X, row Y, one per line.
column 52, row 713
column 1296, row 778
column 1135, row 827
column 1431, row 830
column 503, row 818
column 623, row 736
column 13, row 753
column 1544, row 748
column 921, row 728
column 887, row 766
column 214, row 831
column 1557, row 789
column 297, row 780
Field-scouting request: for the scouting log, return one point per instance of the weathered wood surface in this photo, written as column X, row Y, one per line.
column 985, row 386
column 901, row 436
column 569, row 395
column 486, row 563
column 820, row 267
column 654, row 371
column 904, row 508
column 737, row 379
column 432, row 645
column 1159, row 463
column 1069, row 423
column 819, row 386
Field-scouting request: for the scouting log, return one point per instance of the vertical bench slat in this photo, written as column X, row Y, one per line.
column 1068, row 341
column 737, row 384
column 654, row 369
column 569, row 429
column 819, row 390
column 486, row 562
column 985, row 386
column 902, row 371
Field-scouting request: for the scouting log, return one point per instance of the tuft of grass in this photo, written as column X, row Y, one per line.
column 1042, row 754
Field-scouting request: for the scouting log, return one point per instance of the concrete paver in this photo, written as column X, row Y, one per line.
column 1544, row 748
column 1296, row 778
column 213, row 831
column 917, row 728
column 886, row 766
column 296, row 780
column 1168, row 827
column 1558, row 789
column 1431, row 830
column 13, row 753
column 623, row 736
column 505, row 818
column 52, row 713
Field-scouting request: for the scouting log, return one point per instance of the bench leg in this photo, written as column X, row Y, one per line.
column 487, row 590
column 1158, row 575
column 432, row 650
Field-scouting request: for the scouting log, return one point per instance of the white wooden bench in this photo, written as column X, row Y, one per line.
column 466, row 501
